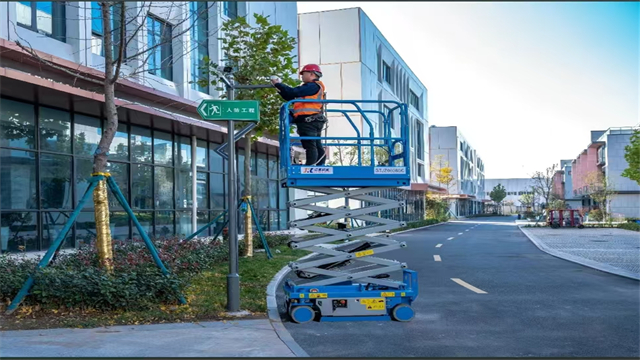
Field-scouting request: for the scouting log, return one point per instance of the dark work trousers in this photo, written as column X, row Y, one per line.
column 313, row 148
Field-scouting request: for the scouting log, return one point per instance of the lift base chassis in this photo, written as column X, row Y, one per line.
column 351, row 301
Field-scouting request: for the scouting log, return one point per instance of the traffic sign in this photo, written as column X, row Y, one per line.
column 233, row 110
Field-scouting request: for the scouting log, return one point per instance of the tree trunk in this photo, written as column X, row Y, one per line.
column 248, row 231
column 100, row 198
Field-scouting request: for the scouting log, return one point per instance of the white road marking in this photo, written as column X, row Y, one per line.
column 467, row 230
column 437, row 258
column 459, row 233
column 468, row 286
column 439, row 245
column 451, row 238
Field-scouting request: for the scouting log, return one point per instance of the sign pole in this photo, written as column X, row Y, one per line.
column 233, row 279
column 232, row 111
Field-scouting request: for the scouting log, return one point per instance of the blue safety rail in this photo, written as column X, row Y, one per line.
column 364, row 170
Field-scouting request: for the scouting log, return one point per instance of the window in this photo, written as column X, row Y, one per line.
column 161, row 53
column 386, row 73
column 421, row 170
column 414, row 100
column 230, row 9
column 45, row 17
column 97, row 34
column 199, row 43
column 419, row 140
column 17, row 124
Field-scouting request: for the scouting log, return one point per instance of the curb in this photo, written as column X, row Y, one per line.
column 272, row 304
column 582, row 261
column 274, row 315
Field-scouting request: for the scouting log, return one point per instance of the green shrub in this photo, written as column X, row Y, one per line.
column 75, row 279
column 633, row 226
column 596, row 215
column 139, row 288
column 417, row 224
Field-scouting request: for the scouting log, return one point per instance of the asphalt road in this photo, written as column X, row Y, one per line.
column 534, row 304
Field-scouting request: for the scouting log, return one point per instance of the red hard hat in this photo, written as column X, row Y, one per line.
column 313, row 68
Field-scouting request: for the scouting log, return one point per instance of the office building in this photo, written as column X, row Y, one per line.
column 448, row 145
column 358, row 63
column 605, row 154
column 51, row 121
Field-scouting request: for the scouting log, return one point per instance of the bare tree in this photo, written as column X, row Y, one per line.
column 128, row 22
column 543, row 183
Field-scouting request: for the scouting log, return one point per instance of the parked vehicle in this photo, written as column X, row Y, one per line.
column 565, row 218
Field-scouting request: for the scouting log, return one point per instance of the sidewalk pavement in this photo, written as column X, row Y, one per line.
column 616, row 251
column 242, row 338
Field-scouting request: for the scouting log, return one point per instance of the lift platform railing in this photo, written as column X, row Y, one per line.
column 386, row 140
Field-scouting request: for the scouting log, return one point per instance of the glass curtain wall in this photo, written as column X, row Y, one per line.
column 46, row 160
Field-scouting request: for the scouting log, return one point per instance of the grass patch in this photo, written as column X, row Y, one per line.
column 206, row 296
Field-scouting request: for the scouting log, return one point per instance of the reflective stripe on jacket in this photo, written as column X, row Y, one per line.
column 309, row 108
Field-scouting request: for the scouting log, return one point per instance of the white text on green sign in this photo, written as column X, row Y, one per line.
column 238, row 110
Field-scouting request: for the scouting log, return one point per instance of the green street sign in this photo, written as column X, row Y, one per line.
column 238, row 110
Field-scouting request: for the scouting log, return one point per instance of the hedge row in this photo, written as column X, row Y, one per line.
column 75, row 280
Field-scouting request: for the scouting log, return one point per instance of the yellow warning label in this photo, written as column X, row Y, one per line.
column 402, row 294
column 388, row 294
column 318, row 295
column 378, row 306
column 301, row 296
column 364, row 253
column 371, row 301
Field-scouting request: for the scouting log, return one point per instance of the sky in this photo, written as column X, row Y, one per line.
column 525, row 82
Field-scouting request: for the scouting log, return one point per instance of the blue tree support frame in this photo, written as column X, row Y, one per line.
column 328, row 286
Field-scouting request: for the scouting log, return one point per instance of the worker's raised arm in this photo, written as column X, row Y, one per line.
column 289, row 93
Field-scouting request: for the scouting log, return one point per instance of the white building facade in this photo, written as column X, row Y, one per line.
column 610, row 159
column 468, row 188
column 515, row 188
column 162, row 155
column 358, row 63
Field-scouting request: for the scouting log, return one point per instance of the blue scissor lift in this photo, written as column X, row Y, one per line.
column 328, row 286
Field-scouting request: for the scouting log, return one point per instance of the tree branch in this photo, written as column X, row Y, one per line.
column 121, row 43
column 30, row 51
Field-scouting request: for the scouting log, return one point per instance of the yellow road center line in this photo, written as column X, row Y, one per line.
column 451, row 238
column 469, row 286
column 437, row 258
column 439, row 245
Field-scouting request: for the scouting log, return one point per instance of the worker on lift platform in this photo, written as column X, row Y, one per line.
column 307, row 116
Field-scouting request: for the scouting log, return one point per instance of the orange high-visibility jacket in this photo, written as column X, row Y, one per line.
column 309, row 108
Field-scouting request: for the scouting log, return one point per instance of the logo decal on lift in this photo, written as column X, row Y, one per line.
column 317, row 170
